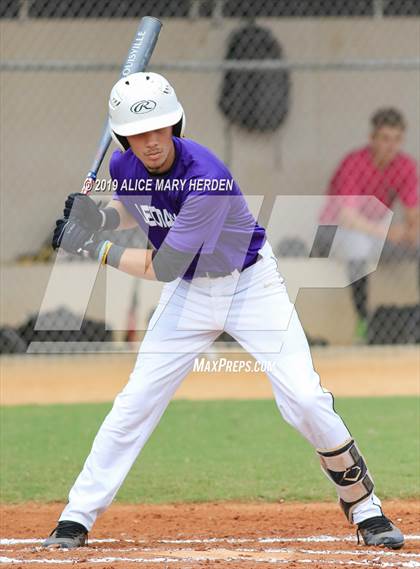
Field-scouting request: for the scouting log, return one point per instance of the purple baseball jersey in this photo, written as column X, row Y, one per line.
column 195, row 207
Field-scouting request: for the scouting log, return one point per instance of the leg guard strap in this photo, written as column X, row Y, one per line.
column 346, row 468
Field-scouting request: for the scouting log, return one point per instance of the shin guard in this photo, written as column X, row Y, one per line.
column 346, row 468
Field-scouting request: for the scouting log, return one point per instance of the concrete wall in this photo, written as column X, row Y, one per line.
column 51, row 121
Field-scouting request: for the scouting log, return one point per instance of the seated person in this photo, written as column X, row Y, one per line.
column 382, row 170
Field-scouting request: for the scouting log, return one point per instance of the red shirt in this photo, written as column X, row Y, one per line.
column 357, row 175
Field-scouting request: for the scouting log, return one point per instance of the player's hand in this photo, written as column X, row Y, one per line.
column 74, row 238
column 82, row 208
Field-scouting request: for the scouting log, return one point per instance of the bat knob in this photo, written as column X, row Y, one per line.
column 88, row 185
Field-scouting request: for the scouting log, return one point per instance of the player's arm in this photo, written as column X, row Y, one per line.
column 165, row 266
column 135, row 262
column 195, row 230
column 76, row 239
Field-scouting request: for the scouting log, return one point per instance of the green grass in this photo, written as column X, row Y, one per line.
column 240, row 450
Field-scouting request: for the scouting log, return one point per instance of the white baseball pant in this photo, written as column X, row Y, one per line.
column 254, row 308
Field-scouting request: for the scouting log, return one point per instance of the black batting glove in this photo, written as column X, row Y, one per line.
column 75, row 239
column 89, row 214
column 84, row 209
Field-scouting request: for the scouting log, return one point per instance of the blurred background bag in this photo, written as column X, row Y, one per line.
column 255, row 100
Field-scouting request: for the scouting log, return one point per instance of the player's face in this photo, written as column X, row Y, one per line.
column 386, row 143
column 155, row 149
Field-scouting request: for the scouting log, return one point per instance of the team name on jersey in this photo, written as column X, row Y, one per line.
column 154, row 216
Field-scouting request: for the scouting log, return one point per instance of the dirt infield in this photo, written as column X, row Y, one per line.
column 220, row 535
column 363, row 371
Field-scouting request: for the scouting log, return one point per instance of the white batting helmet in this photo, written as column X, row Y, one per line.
column 142, row 102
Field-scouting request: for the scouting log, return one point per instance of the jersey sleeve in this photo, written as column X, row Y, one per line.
column 408, row 189
column 199, row 223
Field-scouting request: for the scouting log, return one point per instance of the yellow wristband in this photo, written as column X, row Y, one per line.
column 105, row 252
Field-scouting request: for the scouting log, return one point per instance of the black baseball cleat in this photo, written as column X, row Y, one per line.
column 67, row 535
column 379, row 530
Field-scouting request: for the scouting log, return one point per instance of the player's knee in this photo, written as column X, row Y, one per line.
column 132, row 407
column 299, row 409
column 307, row 403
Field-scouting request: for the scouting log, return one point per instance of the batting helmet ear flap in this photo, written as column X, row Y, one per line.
column 120, row 141
column 179, row 128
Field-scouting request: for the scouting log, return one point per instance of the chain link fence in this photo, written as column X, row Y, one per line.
column 208, row 8
column 283, row 91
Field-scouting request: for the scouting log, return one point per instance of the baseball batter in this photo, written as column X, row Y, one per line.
column 220, row 274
